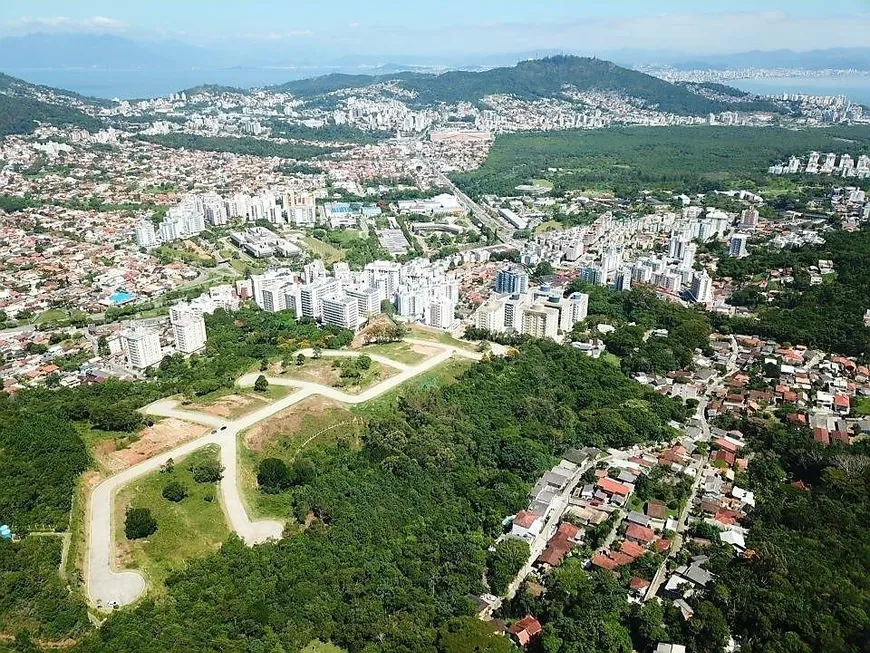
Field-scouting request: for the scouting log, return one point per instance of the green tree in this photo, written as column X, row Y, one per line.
column 300, row 359
column 174, row 491
column 273, row 476
column 261, row 384
column 139, row 523
column 503, row 564
column 470, row 635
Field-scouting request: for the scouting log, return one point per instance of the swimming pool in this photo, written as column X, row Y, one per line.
column 121, row 297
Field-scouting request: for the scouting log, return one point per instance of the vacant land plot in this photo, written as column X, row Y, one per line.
column 233, row 405
column 327, row 252
column 422, row 333
column 313, row 421
column 116, row 453
column 328, row 371
column 402, row 352
column 188, row 529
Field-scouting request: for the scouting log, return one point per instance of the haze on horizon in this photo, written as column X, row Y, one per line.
column 271, row 28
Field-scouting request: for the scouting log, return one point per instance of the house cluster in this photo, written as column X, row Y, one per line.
column 820, row 389
column 825, row 164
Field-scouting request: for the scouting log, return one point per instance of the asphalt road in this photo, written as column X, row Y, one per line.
column 108, row 587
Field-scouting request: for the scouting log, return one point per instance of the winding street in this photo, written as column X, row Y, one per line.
column 107, row 587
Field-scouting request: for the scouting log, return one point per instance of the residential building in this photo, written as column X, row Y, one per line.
column 341, row 311
column 143, row 347
column 511, row 280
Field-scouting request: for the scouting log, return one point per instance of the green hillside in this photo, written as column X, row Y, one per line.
column 542, row 78
column 18, row 115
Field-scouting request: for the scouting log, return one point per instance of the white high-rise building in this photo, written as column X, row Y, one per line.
column 274, row 296
column 342, row 311
column 540, row 321
column 143, row 347
column 387, row 273
column 368, row 300
column 490, row 316
column 702, row 287
column 146, row 236
column 573, row 310
column 440, row 313
column 311, row 296
column 737, row 247
column 189, row 333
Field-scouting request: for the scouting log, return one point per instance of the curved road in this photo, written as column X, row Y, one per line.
column 107, row 587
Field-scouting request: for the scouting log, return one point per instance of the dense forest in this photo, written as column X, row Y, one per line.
column 248, row 146
column 20, row 115
column 398, row 530
column 806, row 585
column 829, row 316
column 530, row 80
column 629, row 159
column 330, row 133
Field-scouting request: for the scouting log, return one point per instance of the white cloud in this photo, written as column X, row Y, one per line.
column 66, row 24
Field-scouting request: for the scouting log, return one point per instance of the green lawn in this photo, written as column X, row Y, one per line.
column 401, row 352
column 550, row 225
column 861, row 407
column 441, row 337
column 327, row 252
column 441, row 375
column 310, row 423
column 185, row 530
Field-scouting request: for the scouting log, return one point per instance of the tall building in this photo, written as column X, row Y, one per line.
column 189, row 331
column 737, row 247
column 368, row 300
column 146, row 236
column 702, row 287
column 540, row 321
column 274, row 296
column 311, row 296
column 512, row 280
column 490, row 316
column 440, row 313
column 342, row 311
column 574, row 309
column 592, row 274
column 143, row 347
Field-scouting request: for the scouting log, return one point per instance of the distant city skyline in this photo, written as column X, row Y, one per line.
column 382, row 27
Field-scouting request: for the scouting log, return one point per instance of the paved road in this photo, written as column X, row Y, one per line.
column 107, row 587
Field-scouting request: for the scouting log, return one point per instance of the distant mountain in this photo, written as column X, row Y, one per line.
column 541, row 78
column 839, row 58
column 98, row 51
column 22, row 105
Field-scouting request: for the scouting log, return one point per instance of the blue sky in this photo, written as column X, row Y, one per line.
column 478, row 26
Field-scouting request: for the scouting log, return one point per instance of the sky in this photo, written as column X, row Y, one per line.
column 411, row 27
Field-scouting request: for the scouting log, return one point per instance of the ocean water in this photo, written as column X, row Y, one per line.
column 854, row 87
column 140, row 84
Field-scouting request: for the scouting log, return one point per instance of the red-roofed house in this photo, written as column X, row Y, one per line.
column 640, row 534
column 632, row 549
column 727, row 445
column 841, row 404
column 821, row 435
column 601, row 560
column 612, row 487
column 525, row 630
column 638, row 584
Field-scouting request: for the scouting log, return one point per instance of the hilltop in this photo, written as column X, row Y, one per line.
column 22, row 105
column 533, row 79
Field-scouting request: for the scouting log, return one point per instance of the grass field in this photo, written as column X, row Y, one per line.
column 327, row 252
column 312, row 422
column 401, row 352
column 185, row 530
column 444, row 374
column 233, row 403
column 549, row 225
column 324, row 372
column 441, row 337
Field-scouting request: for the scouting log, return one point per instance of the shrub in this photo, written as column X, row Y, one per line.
column 139, row 523
column 175, row 492
column 273, row 476
column 207, row 472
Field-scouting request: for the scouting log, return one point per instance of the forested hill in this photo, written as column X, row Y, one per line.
column 540, row 78
column 19, row 115
column 21, row 104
